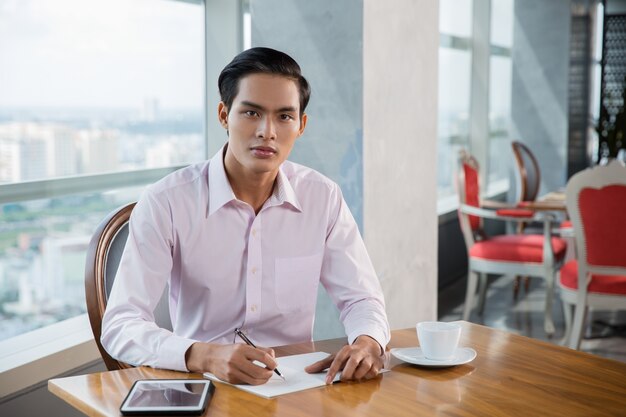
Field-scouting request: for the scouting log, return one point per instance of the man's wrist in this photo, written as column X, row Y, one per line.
column 198, row 357
column 364, row 338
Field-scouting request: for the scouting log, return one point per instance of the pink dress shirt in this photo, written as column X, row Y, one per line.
column 228, row 267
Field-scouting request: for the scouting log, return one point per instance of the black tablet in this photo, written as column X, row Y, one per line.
column 168, row 396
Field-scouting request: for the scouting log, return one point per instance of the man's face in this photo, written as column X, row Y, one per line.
column 263, row 124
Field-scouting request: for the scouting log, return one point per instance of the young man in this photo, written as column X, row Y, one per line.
column 244, row 240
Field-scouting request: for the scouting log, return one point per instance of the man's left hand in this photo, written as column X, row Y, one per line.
column 358, row 361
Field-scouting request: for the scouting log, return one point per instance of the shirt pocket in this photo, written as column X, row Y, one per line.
column 296, row 281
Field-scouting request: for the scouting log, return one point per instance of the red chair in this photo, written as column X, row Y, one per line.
column 596, row 202
column 539, row 255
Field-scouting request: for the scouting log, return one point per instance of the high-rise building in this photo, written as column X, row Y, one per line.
column 98, row 150
column 61, row 151
column 22, row 152
column 33, row 151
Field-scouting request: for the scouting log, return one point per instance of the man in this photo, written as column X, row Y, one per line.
column 244, row 240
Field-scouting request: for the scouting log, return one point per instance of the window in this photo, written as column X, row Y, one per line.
column 457, row 88
column 107, row 98
column 500, row 72
column 455, row 66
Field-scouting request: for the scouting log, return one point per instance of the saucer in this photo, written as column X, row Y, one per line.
column 415, row 356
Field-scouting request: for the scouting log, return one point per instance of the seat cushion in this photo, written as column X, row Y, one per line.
column 566, row 224
column 601, row 284
column 515, row 212
column 516, row 248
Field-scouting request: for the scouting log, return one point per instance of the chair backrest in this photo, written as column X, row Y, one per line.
column 528, row 172
column 103, row 258
column 596, row 202
column 468, row 186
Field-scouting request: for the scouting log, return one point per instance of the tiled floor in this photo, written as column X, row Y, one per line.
column 525, row 316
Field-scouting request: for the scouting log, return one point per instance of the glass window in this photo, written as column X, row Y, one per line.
column 454, row 106
column 499, row 117
column 88, row 87
column 455, row 17
column 104, row 86
column 43, row 244
column 500, row 79
column 501, row 28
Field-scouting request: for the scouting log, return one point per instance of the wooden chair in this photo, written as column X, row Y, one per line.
column 514, row 254
column 528, row 172
column 596, row 202
column 529, row 182
column 103, row 257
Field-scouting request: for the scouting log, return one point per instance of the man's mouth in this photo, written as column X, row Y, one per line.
column 263, row 151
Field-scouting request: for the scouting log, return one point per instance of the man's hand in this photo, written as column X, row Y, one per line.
column 231, row 363
column 359, row 361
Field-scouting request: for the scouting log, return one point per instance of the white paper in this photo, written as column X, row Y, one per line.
column 296, row 378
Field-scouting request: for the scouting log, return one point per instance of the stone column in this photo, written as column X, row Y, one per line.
column 540, row 85
column 372, row 129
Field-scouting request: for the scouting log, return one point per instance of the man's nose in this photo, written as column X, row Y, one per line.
column 266, row 129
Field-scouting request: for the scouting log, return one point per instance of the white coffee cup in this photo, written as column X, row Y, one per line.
column 438, row 340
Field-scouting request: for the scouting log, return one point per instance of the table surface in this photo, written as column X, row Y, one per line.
column 512, row 375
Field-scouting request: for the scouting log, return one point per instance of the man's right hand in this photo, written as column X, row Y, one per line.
column 232, row 363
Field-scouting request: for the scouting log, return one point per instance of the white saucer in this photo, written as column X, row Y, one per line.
column 415, row 356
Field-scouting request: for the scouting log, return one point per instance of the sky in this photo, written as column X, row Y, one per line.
column 101, row 53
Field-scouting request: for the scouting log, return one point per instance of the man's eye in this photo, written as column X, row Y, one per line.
column 286, row 117
column 251, row 113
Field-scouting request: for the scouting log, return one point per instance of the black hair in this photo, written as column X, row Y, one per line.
column 261, row 61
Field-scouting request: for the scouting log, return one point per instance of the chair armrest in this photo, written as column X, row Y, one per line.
column 492, row 204
column 491, row 214
column 542, row 205
column 515, row 212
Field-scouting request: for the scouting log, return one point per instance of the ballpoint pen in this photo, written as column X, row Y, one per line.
column 239, row 333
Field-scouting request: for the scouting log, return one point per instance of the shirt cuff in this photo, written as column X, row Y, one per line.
column 172, row 353
column 377, row 335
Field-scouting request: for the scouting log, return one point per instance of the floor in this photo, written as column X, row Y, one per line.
column 605, row 337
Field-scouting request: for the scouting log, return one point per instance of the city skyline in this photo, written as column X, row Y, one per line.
column 43, row 243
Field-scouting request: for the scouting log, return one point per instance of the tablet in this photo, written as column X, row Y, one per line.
column 168, row 396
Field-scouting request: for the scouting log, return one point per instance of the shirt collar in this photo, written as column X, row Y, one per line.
column 221, row 193
column 284, row 192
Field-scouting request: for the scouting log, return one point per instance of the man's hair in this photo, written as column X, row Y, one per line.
column 261, row 61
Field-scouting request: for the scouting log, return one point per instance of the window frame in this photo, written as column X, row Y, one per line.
column 480, row 135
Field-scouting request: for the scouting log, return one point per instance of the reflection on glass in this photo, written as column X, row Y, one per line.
column 455, row 17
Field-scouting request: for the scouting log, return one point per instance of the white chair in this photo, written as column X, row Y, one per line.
column 538, row 255
column 596, row 203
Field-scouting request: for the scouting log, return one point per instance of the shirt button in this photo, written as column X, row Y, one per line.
column 254, row 269
column 253, row 232
column 253, row 308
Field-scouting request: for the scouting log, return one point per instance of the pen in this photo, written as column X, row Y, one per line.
column 239, row 333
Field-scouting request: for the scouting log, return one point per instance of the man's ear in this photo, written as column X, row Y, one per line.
column 222, row 114
column 303, row 121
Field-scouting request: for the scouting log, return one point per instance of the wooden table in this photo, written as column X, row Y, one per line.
column 511, row 376
column 552, row 201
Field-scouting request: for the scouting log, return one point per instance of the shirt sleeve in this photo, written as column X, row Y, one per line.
column 129, row 332
column 349, row 277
